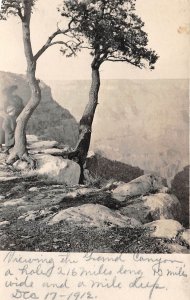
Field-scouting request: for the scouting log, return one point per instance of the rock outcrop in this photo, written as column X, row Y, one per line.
column 52, row 198
column 49, row 120
column 57, row 169
column 86, row 217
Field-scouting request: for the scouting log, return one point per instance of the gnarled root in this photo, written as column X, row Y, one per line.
column 30, row 160
column 13, row 157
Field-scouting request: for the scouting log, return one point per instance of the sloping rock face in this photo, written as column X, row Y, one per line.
column 180, row 187
column 49, row 120
column 93, row 215
column 142, row 185
column 153, row 207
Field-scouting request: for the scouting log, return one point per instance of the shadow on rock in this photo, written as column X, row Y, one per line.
column 100, row 166
column 180, row 188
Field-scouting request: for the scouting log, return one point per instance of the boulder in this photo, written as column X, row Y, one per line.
column 164, row 228
column 57, row 169
column 153, row 207
column 93, row 215
column 53, row 168
column 20, row 165
column 142, row 185
column 186, row 236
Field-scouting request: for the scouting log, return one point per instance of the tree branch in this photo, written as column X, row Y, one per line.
column 49, row 43
column 20, row 13
column 114, row 59
column 86, row 47
column 66, row 44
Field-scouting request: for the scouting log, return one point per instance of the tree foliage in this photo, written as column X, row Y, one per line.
column 14, row 7
column 112, row 29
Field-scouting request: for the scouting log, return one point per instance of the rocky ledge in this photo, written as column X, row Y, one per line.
column 48, row 210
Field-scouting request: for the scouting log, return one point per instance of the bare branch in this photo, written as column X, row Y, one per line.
column 86, row 47
column 49, row 43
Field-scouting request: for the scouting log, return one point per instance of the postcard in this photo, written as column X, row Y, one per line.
column 94, row 149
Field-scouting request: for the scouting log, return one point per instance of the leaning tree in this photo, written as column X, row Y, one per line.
column 112, row 32
column 24, row 9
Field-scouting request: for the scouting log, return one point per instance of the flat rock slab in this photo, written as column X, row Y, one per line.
column 43, row 145
column 4, row 179
column 52, row 151
column 93, row 215
column 31, row 138
column 14, row 202
column 82, row 192
column 164, row 228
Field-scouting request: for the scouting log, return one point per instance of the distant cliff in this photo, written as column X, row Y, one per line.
column 142, row 123
column 50, row 120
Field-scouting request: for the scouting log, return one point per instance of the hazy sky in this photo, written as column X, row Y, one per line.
column 167, row 23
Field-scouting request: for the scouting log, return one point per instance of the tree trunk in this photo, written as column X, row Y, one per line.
column 85, row 125
column 20, row 150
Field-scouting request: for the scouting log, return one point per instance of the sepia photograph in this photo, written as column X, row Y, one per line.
column 94, row 126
